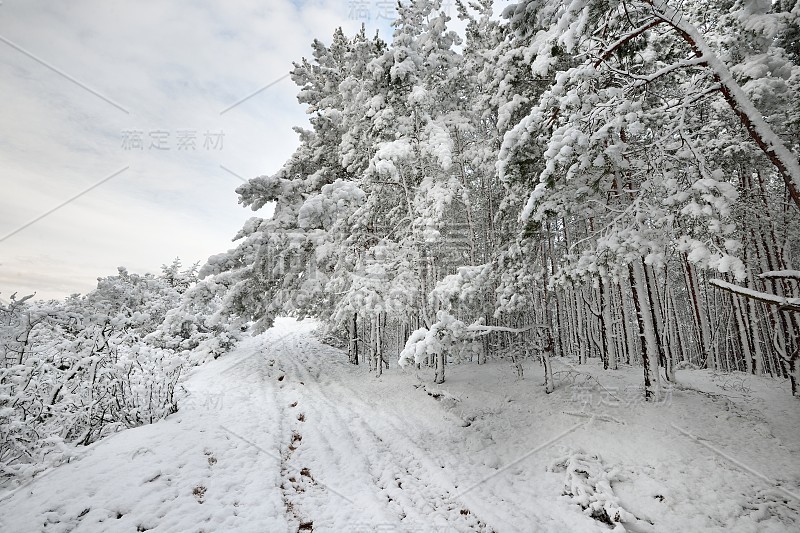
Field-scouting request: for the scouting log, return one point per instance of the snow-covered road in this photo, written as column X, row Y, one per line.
column 283, row 434
column 351, row 461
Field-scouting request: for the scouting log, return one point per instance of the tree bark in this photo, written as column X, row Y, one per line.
column 640, row 303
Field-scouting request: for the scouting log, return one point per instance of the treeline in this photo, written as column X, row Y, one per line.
column 566, row 181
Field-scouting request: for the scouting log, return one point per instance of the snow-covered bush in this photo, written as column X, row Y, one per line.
column 446, row 336
column 194, row 329
column 588, row 481
column 439, row 339
column 75, row 371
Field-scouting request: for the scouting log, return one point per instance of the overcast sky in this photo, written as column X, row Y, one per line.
column 135, row 99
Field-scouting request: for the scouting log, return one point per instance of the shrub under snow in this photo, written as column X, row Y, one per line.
column 73, row 372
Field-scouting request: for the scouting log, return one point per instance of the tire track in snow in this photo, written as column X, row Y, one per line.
column 264, row 365
column 504, row 503
column 304, row 492
column 321, row 452
column 428, row 462
column 406, row 486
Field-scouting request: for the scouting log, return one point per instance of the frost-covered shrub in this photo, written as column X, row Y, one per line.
column 445, row 336
column 73, row 372
column 589, row 483
column 195, row 329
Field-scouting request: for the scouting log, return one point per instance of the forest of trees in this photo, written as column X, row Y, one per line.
column 613, row 179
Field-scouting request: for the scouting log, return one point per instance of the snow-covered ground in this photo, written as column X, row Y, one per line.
column 284, row 435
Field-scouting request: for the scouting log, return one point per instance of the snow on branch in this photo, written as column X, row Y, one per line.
column 696, row 62
column 787, row 304
column 490, row 329
column 624, row 39
column 761, row 133
column 590, row 484
column 789, row 274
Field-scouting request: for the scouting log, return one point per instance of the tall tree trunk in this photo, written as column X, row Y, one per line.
column 440, row 359
column 608, row 323
column 707, row 349
column 649, row 355
column 378, row 347
column 547, row 345
column 354, row 339
column 604, row 334
column 547, row 350
column 582, row 332
column 744, row 340
column 656, row 314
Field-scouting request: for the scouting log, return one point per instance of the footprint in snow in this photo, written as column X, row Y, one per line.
column 199, row 493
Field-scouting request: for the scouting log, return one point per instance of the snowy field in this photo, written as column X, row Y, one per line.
column 283, row 435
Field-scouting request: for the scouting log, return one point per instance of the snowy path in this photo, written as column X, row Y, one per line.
column 345, row 466
column 283, row 435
